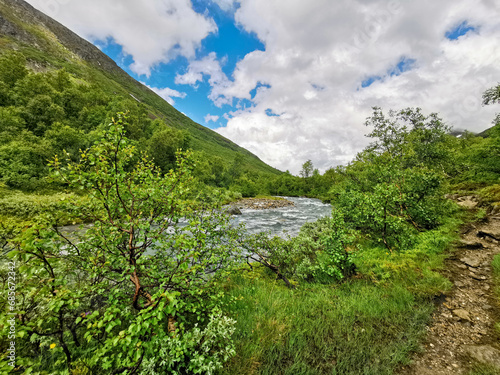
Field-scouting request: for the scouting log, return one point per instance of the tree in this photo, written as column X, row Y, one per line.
column 307, row 169
column 136, row 292
column 12, row 68
column 393, row 188
column 492, row 95
column 163, row 145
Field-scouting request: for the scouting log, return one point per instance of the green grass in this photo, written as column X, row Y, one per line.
column 496, row 275
column 483, row 370
column 354, row 328
column 368, row 325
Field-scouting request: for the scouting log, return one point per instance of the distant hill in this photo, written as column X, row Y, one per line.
column 48, row 45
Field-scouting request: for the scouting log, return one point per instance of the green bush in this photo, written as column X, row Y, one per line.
column 136, row 291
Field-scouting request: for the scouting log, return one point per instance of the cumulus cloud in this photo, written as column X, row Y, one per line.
column 318, row 54
column 167, row 93
column 226, row 5
column 211, row 67
column 210, row 117
column 325, row 64
column 151, row 31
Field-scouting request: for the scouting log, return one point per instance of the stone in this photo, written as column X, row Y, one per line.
column 467, row 201
column 471, row 245
column 462, row 314
column 485, row 354
column 233, row 210
column 488, row 235
column 471, row 262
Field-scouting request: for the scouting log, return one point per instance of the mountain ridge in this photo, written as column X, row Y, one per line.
column 39, row 37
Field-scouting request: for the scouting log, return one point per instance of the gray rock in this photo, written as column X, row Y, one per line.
column 485, row 354
column 233, row 210
column 467, row 201
column 471, row 262
column 462, row 314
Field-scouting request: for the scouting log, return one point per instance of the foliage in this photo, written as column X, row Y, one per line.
column 393, row 188
column 142, row 280
column 322, row 252
column 44, row 113
column 307, row 169
column 354, row 328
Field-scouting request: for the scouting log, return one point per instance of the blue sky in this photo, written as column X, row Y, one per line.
column 230, row 44
column 293, row 80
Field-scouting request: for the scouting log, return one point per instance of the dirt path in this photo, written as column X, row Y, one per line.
column 462, row 329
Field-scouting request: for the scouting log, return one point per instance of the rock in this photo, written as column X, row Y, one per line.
column 484, row 234
column 471, row 245
column 467, row 201
column 233, row 210
column 263, row 203
column 478, row 278
column 471, row 262
column 462, row 314
column 485, row 354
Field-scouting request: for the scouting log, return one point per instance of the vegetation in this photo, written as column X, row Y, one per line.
column 156, row 281
column 136, row 291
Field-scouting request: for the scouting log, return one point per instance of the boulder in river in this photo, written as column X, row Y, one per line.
column 233, row 210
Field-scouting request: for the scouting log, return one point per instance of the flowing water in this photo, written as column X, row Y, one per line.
column 280, row 221
column 286, row 220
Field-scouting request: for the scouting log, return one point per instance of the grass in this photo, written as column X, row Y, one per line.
column 367, row 325
column 354, row 328
column 483, row 370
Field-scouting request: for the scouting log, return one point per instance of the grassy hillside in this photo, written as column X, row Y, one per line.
column 49, row 46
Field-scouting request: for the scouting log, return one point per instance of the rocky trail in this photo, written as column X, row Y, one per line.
column 462, row 331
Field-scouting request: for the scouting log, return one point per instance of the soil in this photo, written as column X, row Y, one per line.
column 462, row 333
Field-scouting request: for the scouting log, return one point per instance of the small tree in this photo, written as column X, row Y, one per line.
column 393, row 188
column 136, row 292
column 307, row 169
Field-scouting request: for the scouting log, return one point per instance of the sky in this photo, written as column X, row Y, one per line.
column 295, row 80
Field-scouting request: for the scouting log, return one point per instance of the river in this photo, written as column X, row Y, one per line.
column 280, row 221
column 286, row 220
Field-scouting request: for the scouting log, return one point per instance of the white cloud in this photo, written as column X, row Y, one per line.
column 211, row 67
column 167, row 93
column 225, row 5
column 210, row 117
column 152, row 31
column 318, row 52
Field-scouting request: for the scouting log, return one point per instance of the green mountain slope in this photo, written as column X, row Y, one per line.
column 49, row 46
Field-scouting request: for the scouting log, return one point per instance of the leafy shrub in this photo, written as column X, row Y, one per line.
column 322, row 252
column 136, row 283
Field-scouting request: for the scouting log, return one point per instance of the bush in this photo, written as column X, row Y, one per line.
column 323, row 252
column 141, row 281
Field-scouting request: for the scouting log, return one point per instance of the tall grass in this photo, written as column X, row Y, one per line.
column 367, row 325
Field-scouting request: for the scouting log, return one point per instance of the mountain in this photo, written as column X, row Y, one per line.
column 48, row 46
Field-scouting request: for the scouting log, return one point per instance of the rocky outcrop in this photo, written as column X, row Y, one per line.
column 261, row 203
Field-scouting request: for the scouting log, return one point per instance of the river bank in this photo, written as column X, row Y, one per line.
column 262, row 203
